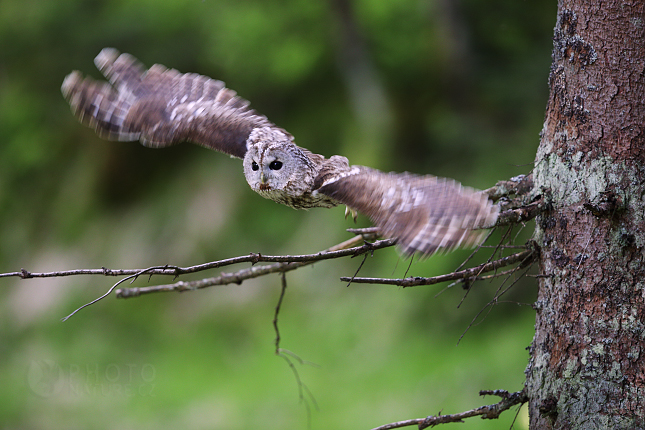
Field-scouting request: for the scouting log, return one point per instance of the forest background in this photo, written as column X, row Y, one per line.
column 450, row 88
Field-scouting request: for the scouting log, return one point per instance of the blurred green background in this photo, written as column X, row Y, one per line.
column 453, row 88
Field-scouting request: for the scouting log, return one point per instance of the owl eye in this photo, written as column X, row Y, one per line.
column 254, row 166
column 275, row 165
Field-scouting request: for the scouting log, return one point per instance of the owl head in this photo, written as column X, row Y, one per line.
column 275, row 167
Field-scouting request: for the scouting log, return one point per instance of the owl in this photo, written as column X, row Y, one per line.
column 161, row 107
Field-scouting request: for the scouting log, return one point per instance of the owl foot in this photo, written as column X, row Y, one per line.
column 348, row 210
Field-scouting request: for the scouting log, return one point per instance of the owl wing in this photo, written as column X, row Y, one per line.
column 425, row 213
column 160, row 106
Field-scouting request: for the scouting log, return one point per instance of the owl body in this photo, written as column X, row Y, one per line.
column 161, row 107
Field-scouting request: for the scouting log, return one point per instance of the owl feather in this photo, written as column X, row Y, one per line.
column 161, row 107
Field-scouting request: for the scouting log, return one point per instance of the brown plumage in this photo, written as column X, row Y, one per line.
column 161, row 107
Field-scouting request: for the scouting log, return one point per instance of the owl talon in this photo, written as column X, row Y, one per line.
column 348, row 210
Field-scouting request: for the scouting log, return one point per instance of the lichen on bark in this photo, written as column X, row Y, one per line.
column 587, row 366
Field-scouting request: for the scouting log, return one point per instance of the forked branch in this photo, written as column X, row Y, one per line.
column 487, row 412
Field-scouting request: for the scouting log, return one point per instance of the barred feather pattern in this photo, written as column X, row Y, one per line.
column 160, row 106
column 425, row 213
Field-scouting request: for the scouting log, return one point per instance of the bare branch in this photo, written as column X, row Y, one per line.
column 523, row 257
column 284, row 264
column 487, row 412
column 290, row 263
column 365, row 231
column 347, row 248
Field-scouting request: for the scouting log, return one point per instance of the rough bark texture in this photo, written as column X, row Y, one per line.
column 587, row 367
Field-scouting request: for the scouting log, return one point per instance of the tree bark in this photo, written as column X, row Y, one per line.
column 587, row 366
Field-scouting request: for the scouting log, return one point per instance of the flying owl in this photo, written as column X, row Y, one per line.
column 161, row 107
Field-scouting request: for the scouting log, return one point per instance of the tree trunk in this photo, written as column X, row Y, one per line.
column 587, row 367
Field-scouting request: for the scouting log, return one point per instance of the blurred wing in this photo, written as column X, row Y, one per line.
column 160, row 106
column 424, row 213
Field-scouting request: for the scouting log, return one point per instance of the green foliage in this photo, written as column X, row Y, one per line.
column 464, row 89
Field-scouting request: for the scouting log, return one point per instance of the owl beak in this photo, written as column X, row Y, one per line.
column 264, row 186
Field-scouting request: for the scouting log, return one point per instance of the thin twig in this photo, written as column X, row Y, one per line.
column 405, row 275
column 470, row 281
column 496, row 297
column 283, row 289
column 132, row 277
column 506, row 235
column 487, row 412
column 522, row 226
column 288, row 355
column 523, row 257
column 517, row 414
column 360, row 266
column 479, row 278
column 476, row 250
column 302, row 387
